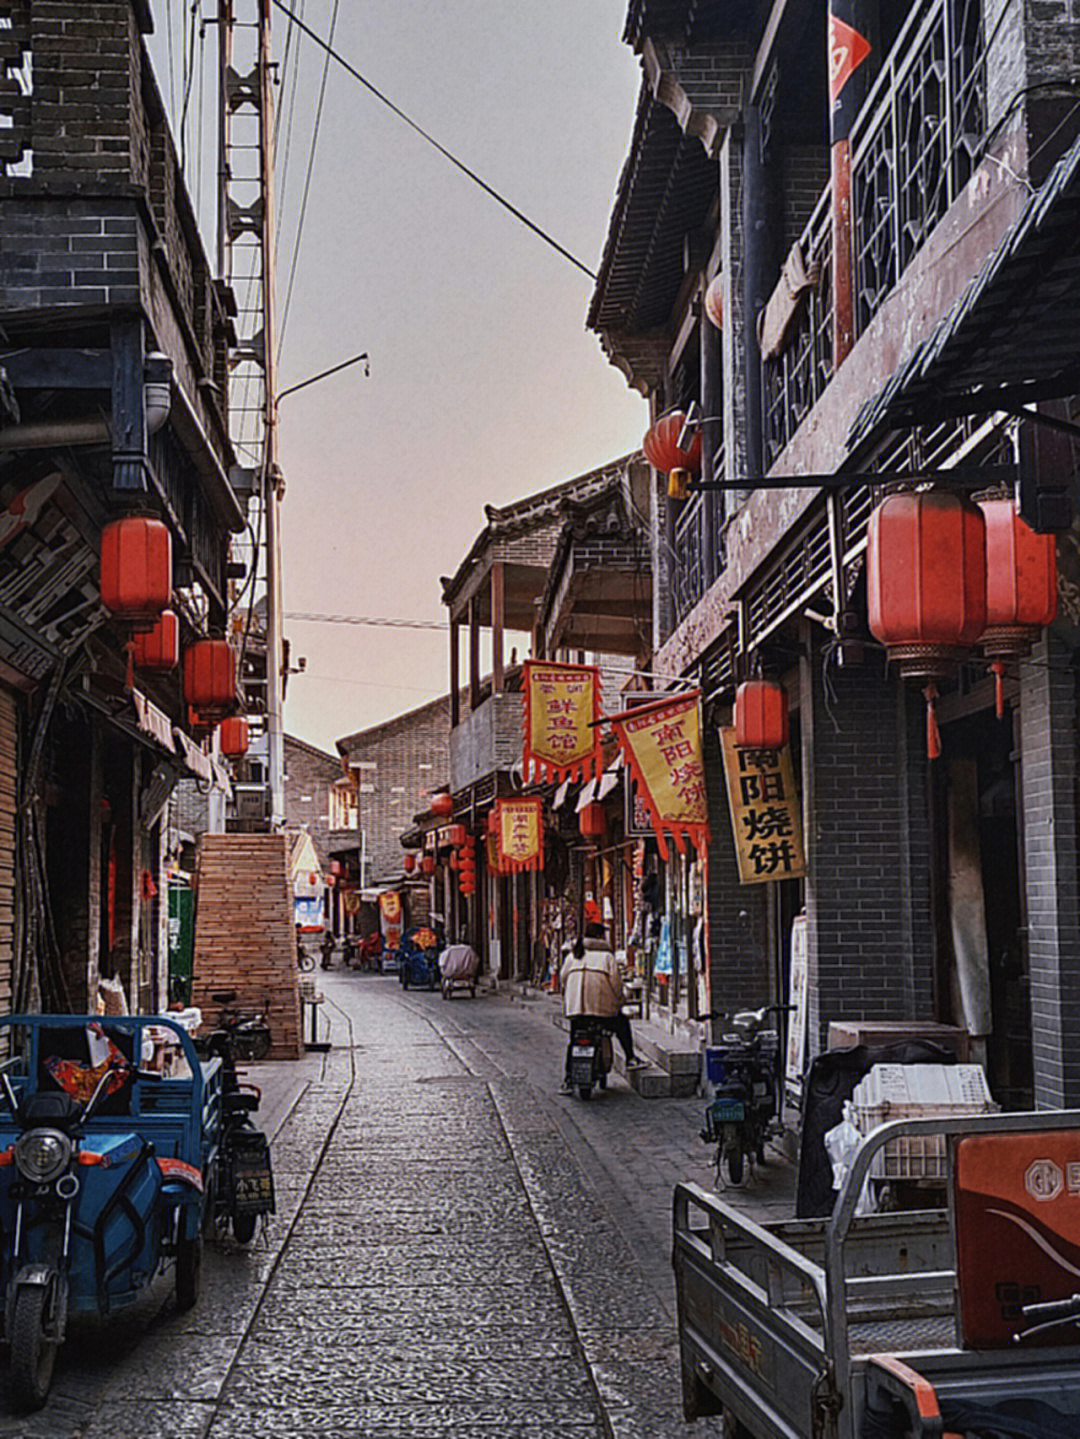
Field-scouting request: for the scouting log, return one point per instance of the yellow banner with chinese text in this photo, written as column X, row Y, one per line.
column 765, row 812
column 521, row 834
column 662, row 746
column 562, row 707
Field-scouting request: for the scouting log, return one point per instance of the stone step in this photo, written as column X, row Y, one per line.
column 648, row 1080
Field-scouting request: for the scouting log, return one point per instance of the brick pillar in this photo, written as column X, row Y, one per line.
column 1048, row 774
column 868, row 848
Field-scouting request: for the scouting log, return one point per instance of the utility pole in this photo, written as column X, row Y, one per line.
column 246, row 228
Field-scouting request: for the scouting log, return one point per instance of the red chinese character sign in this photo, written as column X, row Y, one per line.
column 520, row 834
column 562, row 710
column 391, row 918
column 662, row 746
column 764, row 803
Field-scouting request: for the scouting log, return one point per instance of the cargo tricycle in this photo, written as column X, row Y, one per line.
column 458, row 968
column 102, row 1170
column 918, row 1325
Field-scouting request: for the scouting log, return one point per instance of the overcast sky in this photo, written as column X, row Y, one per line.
column 484, row 384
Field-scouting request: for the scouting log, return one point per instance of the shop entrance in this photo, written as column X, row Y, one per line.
column 980, row 922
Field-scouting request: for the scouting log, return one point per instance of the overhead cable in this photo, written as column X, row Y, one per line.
column 447, row 154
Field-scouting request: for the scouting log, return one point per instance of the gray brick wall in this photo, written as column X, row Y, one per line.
column 868, row 889
column 398, row 765
column 1048, row 734
column 804, row 173
column 310, row 774
column 68, row 252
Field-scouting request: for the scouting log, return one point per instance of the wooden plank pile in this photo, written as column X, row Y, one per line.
column 245, row 935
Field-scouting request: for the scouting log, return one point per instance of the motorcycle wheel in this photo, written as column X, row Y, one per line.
column 243, row 1228
column 733, row 1162
column 32, row 1354
column 307, row 964
column 188, row 1272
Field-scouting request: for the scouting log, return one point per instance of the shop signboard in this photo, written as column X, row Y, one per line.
column 391, row 918
column 799, row 992
column 765, row 810
column 562, row 713
column 521, row 834
column 661, row 743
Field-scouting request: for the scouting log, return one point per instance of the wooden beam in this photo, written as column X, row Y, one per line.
column 765, row 49
column 497, row 607
column 474, row 652
column 455, row 674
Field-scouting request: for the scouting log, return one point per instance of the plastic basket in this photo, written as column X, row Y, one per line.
column 717, row 1059
column 918, row 1091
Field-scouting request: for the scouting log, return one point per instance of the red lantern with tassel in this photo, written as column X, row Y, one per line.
column 210, row 677
column 234, row 737
column 592, row 821
column 926, row 586
column 408, row 862
column 159, row 648
column 455, row 835
column 1021, row 588
column 427, row 864
column 661, row 446
column 136, row 570
column 442, row 805
column 761, row 715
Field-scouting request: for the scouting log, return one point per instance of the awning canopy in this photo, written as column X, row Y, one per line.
column 1012, row 337
column 153, row 721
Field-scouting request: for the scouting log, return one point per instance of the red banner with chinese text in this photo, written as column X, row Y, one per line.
column 391, row 918
column 662, row 746
column 562, row 710
column 520, row 834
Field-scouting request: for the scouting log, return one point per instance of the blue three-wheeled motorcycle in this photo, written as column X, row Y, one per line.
column 104, row 1172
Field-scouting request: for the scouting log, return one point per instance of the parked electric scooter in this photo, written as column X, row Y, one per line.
column 590, row 1055
column 742, row 1070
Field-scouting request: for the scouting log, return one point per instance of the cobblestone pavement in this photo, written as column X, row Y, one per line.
column 457, row 1252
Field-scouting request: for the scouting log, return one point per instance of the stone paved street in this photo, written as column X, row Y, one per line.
column 458, row 1251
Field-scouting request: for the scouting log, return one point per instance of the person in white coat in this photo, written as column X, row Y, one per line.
column 592, row 989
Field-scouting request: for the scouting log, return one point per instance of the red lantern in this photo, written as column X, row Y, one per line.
column 661, row 445
column 159, row 648
column 592, row 820
column 455, row 835
column 453, row 859
column 1021, row 587
column 136, row 570
column 210, row 677
column 714, row 301
column 926, row 586
column 335, row 866
column 466, row 864
column 427, row 864
column 234, row 736
column 408, row 863
column 761, row 715
column 442, row 805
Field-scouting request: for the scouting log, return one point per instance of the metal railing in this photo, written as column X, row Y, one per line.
column 915, row 145
column 688, row 561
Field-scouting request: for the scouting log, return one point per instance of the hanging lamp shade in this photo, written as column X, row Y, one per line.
column 159, row 648
column 427, row 864
column 442, row 805
column 210, row 677
column 714, row 301
column 455, row 835
column 408, row 862
column 1021, row 588
column 592, row 821
column 926, row 586
column 136, row 569
column 234, row 736
column 761, row 715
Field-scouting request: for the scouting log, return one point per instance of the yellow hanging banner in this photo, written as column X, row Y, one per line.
column 765, row 811
column 562, row 707
column 521, row 834
column 662, row 746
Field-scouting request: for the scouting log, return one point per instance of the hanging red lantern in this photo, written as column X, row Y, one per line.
column 455, row 834
column 210, row 677
column 661, row 446
column 926, row 586
column 592, row 820
column 467, row 887
column 408, row 862
column 136, row 570
column 427, row 864
column 714, row 301
column 335, row 866
column 453, row 859
column 1021, row 588
column 234, row 736
column 466, row 864
column 442, row 805
column 159, row 648
column 761, row 715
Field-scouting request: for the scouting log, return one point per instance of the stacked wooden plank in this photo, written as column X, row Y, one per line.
column 245, row 936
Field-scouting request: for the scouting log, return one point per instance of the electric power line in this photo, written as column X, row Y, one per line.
column 377, row 620
column 447, row 154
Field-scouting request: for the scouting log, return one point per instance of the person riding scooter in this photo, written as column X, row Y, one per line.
column 326, row 947
column 592, row 989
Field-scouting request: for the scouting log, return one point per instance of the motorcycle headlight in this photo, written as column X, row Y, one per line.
column 41, row 1155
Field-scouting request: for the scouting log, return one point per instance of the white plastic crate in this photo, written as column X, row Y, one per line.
column 917, row 1091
